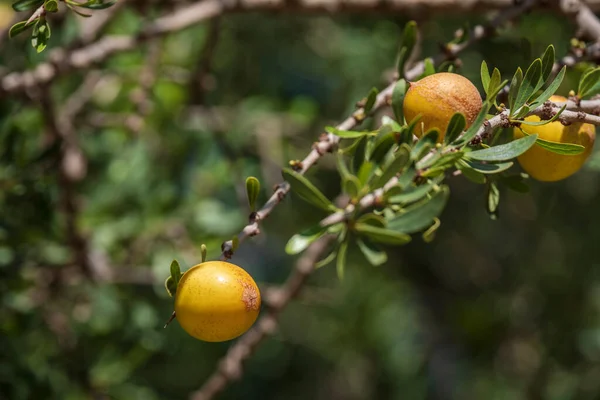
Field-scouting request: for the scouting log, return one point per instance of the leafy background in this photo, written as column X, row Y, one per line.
column 506, row 309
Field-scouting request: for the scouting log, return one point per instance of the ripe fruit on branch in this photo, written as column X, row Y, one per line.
column 216, row 301
column 439, row 96
column 544, row 165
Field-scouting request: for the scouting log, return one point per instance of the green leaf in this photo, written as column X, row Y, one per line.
column 493, row 200
column 203, row 252
column 175, row 272
column 252, row 191
column 400, row 161
column 428, row 68
column 374, row 255
column 515, row 86
column 529, row 85
column 341, row 258
column 409, row 39
column 306, row 190
column 170, row 286
column 26, row 5
column 429, row 234
column 493, row 84
column 382, row 235
column 97, row 5
column 330, row 257
column 412, row 193
column 300, row 241
column 425, row 143
column 488, row 168
column 504, row 152
column 382, row 147
column 17, row 28
column 372, row 219
column 547, row 62
column 351, row 185
column 456, row 126
column 371, row 100
column 440, row 160
column 398, row 100
column 366, row 171
column 51, row 6
column 420, row 215
column 485, row 76
column 407, row 177
column 569, row 149
column 470, row 173
column 359, row 154
column 550, row 90
column 587, row 83
column 346, row 134
column 474, row 127
column 40, row 35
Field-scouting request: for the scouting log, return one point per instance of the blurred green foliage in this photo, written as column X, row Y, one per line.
column 506, row 309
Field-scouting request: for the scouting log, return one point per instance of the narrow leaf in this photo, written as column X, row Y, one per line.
column 515, row 86
column 252, row 191
column 401, row 159
column 420, row 215
column 587, row 82
column 528, row 86
column 429, row 234
column 26, row 5
column 427, row 141
column 485, row 76
column 504, row 152
column 550, row 90
column 412, row 193
column 346, row 134
column 493, row 200
column 547, row 62
column 382, row 235
column 409, row 39
column 175, row 272
column 351, row 185
column 170, row 286
column 359, row 154
column 456, row 126
column 382, row 147
column 300, row 241
column 488, row 168
column 306, row 190
column 374, row 255
column 17, row 28
column 428, row 68
column 371, row 100
column 341, row 259
column 398, row 100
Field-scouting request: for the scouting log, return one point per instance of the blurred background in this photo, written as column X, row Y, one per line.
column 160, row 143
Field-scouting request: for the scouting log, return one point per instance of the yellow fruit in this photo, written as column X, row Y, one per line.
column 216, row 301
column 439, row 96
column 544, row 165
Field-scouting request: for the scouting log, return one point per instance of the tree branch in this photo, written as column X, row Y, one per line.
column 63, row 61
column 329, row 141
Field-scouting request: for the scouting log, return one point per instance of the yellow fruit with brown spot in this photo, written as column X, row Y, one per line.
column 216, row 301
column 439, row 96
column 544, row 165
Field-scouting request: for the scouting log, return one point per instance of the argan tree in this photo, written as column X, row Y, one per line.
column 184, row 161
